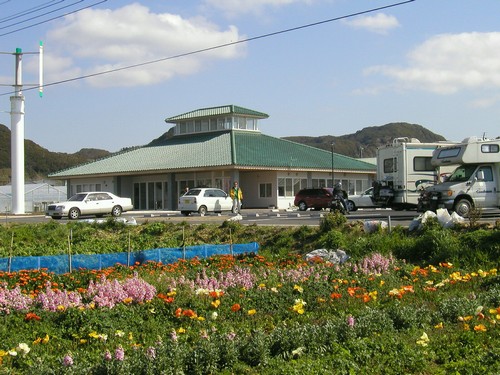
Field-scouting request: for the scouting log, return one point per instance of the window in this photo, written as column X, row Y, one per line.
column 213, row 124
column 491, row 148
column 390, row 165
column 422, row 163
column 265, row 190
column 488, row 173
column 449, row 152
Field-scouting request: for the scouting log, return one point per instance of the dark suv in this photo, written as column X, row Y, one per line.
column 313, row 198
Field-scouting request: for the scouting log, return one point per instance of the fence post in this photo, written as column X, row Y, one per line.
column 10, row 253
column 70, row 238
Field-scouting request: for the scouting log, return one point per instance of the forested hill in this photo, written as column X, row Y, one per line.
column 366, row 141
column 39, row 162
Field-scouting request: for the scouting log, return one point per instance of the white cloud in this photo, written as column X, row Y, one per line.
column 233, row 8
column 379, row 23
column 449, row 63
column 99, row 40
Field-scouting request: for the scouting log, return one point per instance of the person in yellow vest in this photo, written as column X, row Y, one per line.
column 236, row 195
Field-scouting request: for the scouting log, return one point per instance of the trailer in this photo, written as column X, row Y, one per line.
column 475, row 182
column 404, row 169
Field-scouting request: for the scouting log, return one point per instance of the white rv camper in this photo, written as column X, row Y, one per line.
column 474, row 183
column 403, row 169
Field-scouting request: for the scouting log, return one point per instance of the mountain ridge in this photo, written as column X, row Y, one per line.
column 39, row 162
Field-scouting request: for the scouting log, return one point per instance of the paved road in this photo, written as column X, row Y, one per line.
column 254, row 216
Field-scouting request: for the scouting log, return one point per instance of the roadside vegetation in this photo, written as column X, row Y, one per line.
column 425, row 302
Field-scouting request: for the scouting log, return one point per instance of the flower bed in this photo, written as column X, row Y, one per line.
column 252, row 314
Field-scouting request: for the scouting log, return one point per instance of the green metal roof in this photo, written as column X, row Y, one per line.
column 217, row 111
column 219, row 149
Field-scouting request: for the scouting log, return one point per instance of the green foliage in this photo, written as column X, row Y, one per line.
column 333, row 239
column 332, row 220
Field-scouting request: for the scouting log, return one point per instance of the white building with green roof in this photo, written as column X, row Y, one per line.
column 213, row 147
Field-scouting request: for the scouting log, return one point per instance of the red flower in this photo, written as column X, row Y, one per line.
column 236, row 307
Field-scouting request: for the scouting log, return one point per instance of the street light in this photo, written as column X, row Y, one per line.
column 333, row 181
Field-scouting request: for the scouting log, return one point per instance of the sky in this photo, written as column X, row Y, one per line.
column 114, row 70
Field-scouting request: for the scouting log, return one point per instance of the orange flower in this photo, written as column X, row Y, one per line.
column 31, row 316
column 189, row 313
column 165, row 298
column 236, row 307
column 335, row 295
column 480, row 328
column 178, row 312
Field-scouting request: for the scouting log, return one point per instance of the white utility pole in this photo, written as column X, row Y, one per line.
column 17, row 132
column 17, row 139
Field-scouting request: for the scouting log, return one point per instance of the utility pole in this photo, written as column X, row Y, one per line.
column 17, row 132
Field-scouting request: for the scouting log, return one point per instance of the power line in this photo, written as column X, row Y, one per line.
column 220, row 45
column 53, row 18
column 29, row 10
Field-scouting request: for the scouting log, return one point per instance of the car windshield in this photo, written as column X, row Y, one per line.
column 462, row 173
column 77, row 198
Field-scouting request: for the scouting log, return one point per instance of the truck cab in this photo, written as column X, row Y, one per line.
column 473, row 184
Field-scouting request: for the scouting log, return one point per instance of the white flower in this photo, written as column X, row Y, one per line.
column 23, row 348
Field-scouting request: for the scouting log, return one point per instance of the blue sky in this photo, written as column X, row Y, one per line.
column 427, row 62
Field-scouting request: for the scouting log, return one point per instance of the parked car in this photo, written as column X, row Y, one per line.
column 203, row 200
column 317, row 198
column 363, row 200
column 98, row 203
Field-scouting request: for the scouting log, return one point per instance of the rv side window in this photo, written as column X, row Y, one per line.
column 487, row 149
column 390, row 165
column 448, row 153
column 422, row 163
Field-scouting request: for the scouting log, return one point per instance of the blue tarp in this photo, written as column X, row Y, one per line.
column 64, row 263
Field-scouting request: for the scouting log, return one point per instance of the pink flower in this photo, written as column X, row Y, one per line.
column 350, row 321
column 68, row 360
column 119, row 354
column 107, row 355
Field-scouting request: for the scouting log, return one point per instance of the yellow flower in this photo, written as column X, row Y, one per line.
column 200, row 318
column 119, row 333
column 45, row 339
column 181, row 330
column 423, row 340
column 61, row 308
column 128, row 300
column 439, row 326
column 382, row 282
column 298, row 288
column 373, row 295
column 252, row 312
column 216, row 303
column 172, row 293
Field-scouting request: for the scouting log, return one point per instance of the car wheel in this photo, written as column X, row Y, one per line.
column 116, row 211
column 202, row 210
column 463, row 207
column 351, row 206
column 302, row 206
column 74, row 213
column 185, row 213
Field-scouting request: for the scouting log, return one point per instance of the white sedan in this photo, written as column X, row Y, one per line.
column 363, row 200
column 92, row 203
column 203, row 200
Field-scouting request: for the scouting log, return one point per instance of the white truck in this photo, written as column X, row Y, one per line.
column 474, row 183
column 404, row 169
